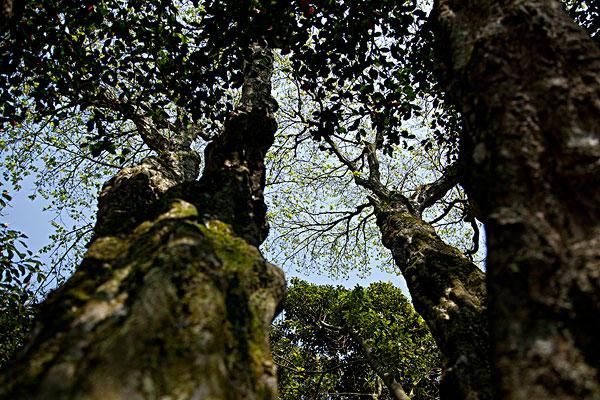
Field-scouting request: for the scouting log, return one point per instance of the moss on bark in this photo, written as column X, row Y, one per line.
column 177, row 309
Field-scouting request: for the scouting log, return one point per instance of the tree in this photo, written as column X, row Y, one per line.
column 171, row 280
column 526, row 80
column 447, row 288
column 333, row 341
column 356, row 127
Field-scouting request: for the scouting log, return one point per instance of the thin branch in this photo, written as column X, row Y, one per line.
column 446, row 210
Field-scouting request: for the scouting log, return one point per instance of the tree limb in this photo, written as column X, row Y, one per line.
column 426, row 195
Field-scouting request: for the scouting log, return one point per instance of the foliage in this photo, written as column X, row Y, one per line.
column 587, row 14
column 19, row 270
column 80, row 78
column 321, row 219
column 175, row 60
column 317, row 343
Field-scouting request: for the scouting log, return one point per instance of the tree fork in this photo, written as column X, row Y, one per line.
column 174, row 303
column 527, row 82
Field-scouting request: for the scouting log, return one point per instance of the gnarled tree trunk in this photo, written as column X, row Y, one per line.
column 172, row 300
column 527, row 82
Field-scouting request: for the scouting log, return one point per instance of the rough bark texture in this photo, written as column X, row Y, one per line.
column 448, row 291
column 177, row 309
column 527, row 81
column 125, row 200
column 170, row 302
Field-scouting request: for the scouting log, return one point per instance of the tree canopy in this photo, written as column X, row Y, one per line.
column 332, row 342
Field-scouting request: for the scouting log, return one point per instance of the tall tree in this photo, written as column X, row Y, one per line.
column 368, row 341
column 173, row 298
column 170, row 300
column 447, row 289
column 358, row 126
column 527, row 82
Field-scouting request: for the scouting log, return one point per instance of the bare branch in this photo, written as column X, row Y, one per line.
column 446, row 210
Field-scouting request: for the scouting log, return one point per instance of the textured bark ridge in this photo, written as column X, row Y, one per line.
column 170, row 302
column 527, row 81
column 448, row 291
column 127, row 198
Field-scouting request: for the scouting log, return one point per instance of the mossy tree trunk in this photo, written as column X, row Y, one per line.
column 173, row 300
column 527, row 82
column 446, row 288
column 448, row 291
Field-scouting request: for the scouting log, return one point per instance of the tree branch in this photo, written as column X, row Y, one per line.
column 426, row 195
column 395, row 388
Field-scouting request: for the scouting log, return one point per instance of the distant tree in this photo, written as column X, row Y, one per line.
column 332, row 342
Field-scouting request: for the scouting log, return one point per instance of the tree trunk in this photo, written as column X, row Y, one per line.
column 169, row 302
column 448, row 291
column 527, row 82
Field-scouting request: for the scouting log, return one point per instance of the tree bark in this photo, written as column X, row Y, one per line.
column 527, row 82
column 448, row 291
column 171, row 301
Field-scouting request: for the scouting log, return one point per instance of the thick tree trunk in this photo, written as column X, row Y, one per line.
column 527, row 81
column 448, row 291
column 169, row 302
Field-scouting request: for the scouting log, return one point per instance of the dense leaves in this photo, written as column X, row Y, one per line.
column 173, row 60
column 376, row 57
column 177, row 60
column 328, row 337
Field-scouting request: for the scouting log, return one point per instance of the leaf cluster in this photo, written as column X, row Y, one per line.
column 19, row 271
